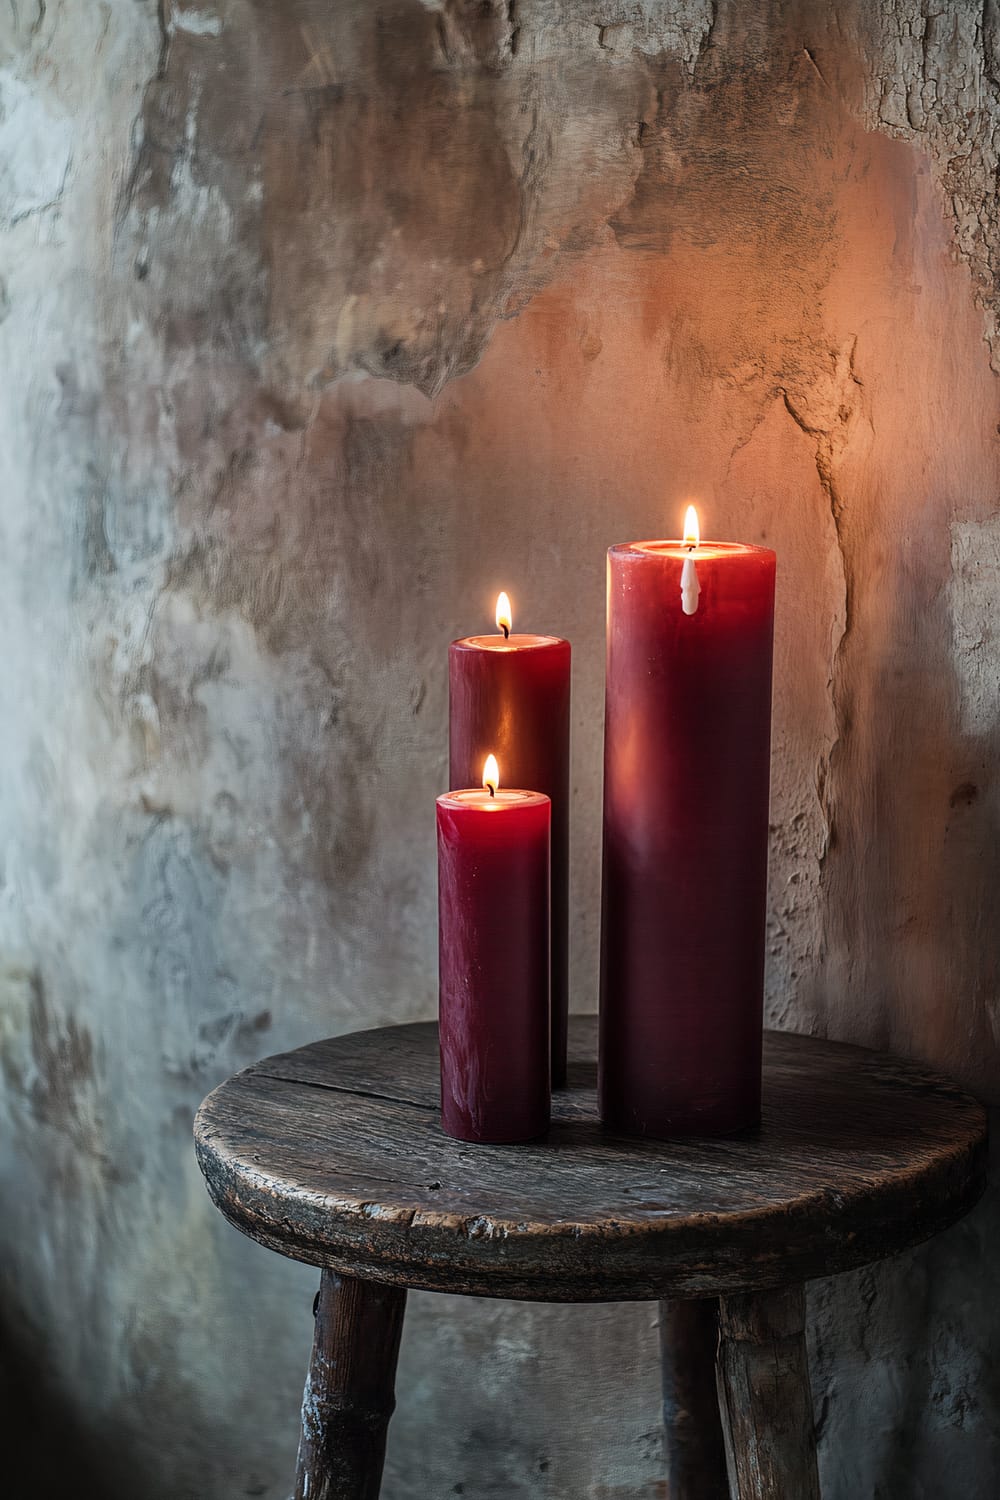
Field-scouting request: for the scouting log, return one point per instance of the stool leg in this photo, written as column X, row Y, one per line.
column 692, row 1429
column 765, row 1398
column 349, row 1398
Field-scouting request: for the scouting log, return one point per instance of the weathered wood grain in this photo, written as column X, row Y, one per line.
column 349, row 1392
column 693, row 1441
column 764, row 1396
column 334, row 1155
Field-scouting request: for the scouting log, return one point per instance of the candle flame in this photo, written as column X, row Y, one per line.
column 692, row 532
column 504, row 616
column 491, row 775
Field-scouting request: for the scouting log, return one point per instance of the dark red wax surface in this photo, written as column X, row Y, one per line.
column 686, row 783
column 493, row 903
column 510, row 698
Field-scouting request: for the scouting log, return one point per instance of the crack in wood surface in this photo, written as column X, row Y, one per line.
column 339, row 1088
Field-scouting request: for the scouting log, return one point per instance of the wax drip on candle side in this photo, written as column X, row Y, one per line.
column 690, row 587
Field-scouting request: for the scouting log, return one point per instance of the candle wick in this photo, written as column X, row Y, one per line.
column 506, row 632
column 493, row 790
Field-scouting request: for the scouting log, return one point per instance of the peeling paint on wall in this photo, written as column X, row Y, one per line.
column 35, row 152
column 974, row 588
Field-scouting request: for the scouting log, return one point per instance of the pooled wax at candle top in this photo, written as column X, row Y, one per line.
column 507, row 642
column 701, row 552
column 483, row 801
column 690, row 546
column 724, row 572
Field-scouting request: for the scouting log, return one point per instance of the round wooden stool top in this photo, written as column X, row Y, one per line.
column 334, row 1155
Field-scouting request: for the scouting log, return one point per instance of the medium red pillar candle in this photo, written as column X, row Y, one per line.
column 686, row 783
column 493, row 903
column 510, row 694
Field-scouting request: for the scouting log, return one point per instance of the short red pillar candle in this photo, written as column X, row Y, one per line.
column 686, row 783
column 493, row 895
column 510, row 694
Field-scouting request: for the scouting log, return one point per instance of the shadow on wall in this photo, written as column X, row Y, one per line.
column 905, row 1373
column 47, row 1452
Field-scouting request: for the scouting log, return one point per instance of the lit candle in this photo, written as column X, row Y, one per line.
column 511, row 693
column 686, row 780
column 690, row 587
column 493, row 903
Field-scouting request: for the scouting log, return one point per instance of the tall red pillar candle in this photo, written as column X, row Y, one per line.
column 493, row 903
column 686, row 783
column 510, row 694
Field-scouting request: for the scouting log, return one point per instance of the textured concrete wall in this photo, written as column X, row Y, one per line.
column 319, row 323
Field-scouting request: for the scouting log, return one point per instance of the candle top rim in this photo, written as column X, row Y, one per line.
column 479, row 799
column 500, row 642
column 705, row 551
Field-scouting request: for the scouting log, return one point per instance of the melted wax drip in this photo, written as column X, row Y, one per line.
column 690, row 587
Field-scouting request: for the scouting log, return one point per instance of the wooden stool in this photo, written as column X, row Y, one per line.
column 334, row 1155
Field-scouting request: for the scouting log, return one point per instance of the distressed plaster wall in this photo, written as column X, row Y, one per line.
column 317, row 325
